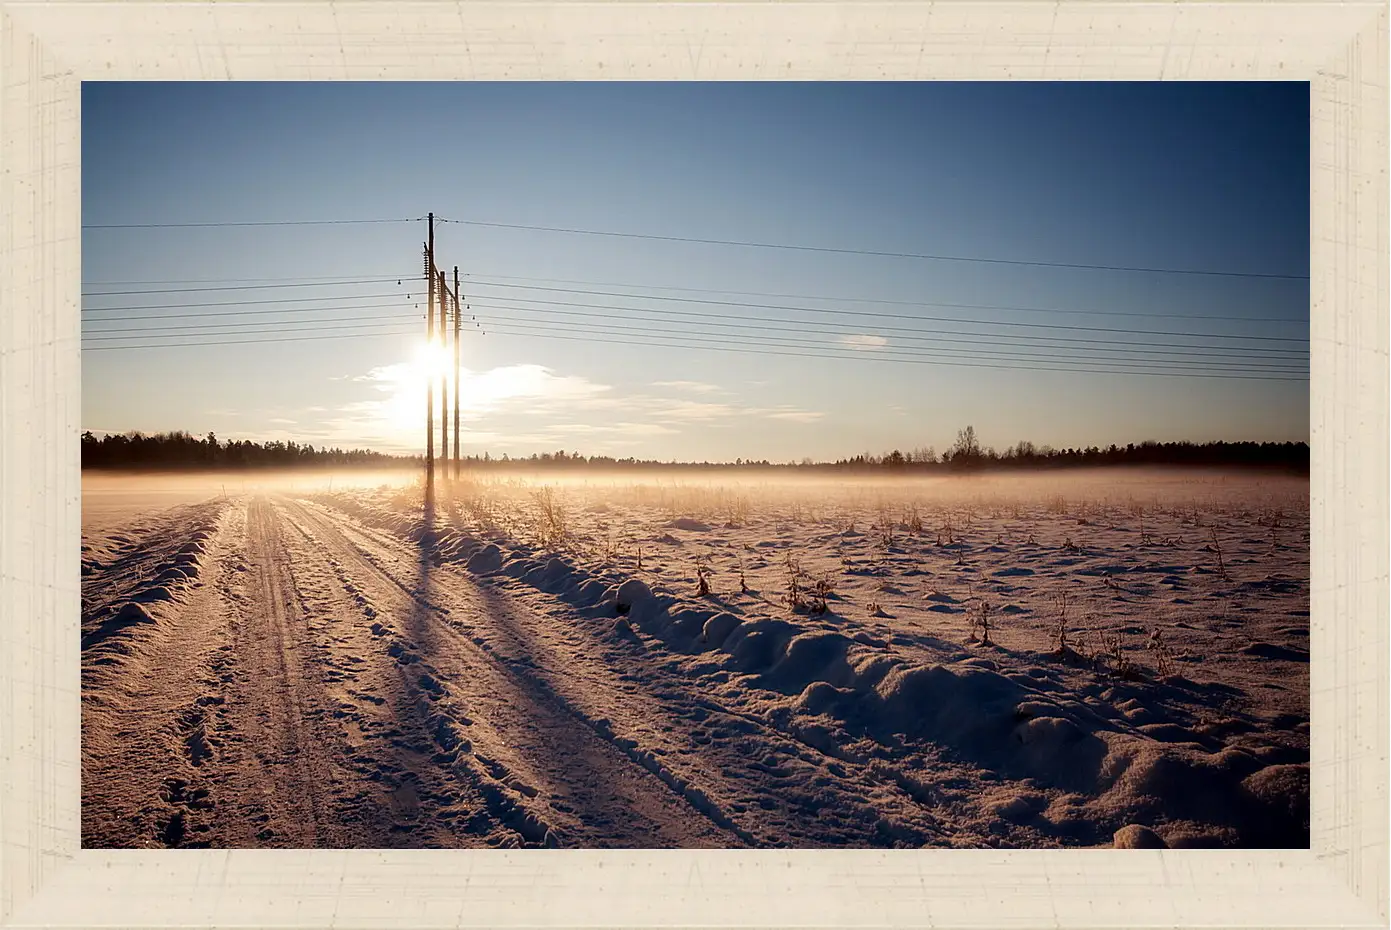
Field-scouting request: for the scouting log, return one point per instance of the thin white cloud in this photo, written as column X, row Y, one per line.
column 697, row 387
column 629, row 429
column 695, row 410
column 797, row 416
column 785, row 412
column 864, row 341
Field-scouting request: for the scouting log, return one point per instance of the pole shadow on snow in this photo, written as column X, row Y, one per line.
column 572, row 755
column 415, row 804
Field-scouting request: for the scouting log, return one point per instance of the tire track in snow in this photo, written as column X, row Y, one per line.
column 722, row 776
column 664, row 689
column 288, row 780
column 151, row 702
column 604, row 794
column 434, row 769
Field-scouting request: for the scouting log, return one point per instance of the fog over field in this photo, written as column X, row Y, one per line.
column 713, row 658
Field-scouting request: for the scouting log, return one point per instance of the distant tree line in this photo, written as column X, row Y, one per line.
column 967, row 455
column 180, row 450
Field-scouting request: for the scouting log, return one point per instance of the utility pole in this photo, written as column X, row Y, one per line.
column 444, row 378
column 458, row 314
column 429, row 341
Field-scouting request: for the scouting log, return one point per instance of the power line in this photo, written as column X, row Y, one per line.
column 738, row 348
column 253, row 287
column 199, row 316
column 725, row 303
column 875, row 252
column 862, row 300
column 245, row 303
column 707, row 241
column 329, row 278
column 1221, row 361
column 140, row 330
column 883, row 351
column 773, row 325
column 207, row 329
column 870, row 357
column 940, row 319
column 245, row 342
column 703, row 346
column 235, row 284
column 935, row 335
column 261, row 223
column 747, row 304
column 110, row 337
column 702, row 301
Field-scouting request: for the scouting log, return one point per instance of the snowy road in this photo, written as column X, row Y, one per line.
column 278, row 672
column 356, row 701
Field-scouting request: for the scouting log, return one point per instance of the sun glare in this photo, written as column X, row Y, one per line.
column 406, row 383
column 431, row 360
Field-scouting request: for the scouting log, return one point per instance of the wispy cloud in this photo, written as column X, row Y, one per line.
column 785, row 412
column 529, row 406
column 797, row 416
column 622, row 429
column 487, row 391
column 697, row 387
column 863, row 341
column 693, row 410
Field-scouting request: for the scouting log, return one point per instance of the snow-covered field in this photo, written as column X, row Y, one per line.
column 1114, row 658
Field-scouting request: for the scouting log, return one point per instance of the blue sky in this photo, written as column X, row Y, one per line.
column 1157, row 176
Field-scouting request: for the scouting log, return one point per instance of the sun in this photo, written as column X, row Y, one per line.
column 431, row 361
column 407, row 383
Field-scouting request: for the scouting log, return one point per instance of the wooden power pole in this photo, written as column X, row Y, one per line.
column 458, row 314
column 430, row 339
column 444, row 378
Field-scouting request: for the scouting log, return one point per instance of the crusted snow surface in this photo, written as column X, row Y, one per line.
column 1071, row 661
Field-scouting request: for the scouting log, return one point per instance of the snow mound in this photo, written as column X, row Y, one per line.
column 757, row 644
column 591, row 592
column 970, row 707
column 718, row 628
column 1284, row 789
column 487, row 559
column 633, row 592
column 815, row 657
column 686, row 625
column 1136, row 836
column 819, row 698
column 556, row 573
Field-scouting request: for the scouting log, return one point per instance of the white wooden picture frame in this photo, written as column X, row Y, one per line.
column 48, row 47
